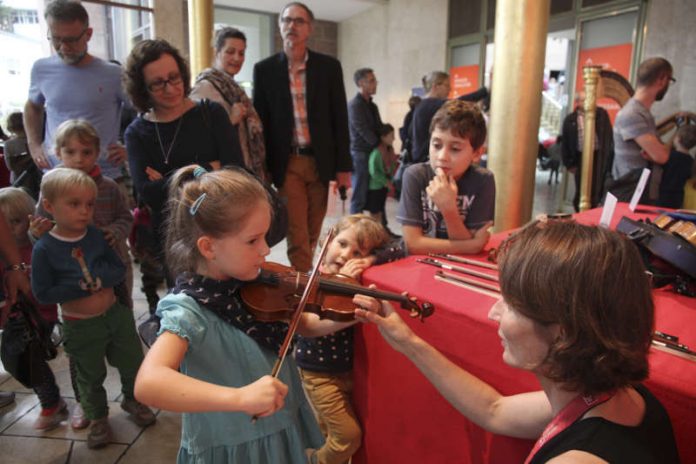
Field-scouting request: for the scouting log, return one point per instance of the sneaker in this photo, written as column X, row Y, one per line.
column 52, row 417
column 78, row 420
column 99, row 433
column 6, row 398
column 139, row 413
column 148, row 330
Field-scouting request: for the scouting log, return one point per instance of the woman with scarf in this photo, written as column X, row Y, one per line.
column 218, row 84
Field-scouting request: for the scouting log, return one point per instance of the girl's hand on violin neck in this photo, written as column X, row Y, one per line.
column 263, row 397
column 393, row 329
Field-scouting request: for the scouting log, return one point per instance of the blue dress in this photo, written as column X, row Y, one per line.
column 221, row 354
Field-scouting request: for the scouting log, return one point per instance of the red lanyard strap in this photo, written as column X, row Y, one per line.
column 568, row 415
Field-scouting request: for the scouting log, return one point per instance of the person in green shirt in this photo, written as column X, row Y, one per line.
column 381, row 166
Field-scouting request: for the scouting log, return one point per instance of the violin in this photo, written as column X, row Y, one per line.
column 276, row 293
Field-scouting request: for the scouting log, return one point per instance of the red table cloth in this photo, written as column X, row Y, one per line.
column 405, row 420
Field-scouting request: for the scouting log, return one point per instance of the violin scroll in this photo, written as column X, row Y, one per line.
column 425, row 309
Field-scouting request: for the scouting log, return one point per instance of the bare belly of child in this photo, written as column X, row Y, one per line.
column 90, row 306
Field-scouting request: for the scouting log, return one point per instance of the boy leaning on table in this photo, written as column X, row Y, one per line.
column 447, row 203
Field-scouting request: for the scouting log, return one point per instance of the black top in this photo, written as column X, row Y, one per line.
column 420, row 127
column 604, row 152
column 365, row 123
column 406, row 134
column 205, row 134
column 675, row 173
column 651, row 442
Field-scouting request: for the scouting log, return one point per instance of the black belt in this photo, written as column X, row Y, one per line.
column 304, row 151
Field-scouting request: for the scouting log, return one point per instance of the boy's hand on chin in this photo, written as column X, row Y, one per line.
column 442, row 189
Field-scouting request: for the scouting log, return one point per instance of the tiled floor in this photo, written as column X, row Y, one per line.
column 21, row 444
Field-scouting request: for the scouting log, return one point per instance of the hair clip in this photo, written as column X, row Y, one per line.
column 199, row 171
column 197, row 204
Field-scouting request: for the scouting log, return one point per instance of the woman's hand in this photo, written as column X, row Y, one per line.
column 263, row 397
column 153, row 174
column 215, row 165
column 391, row 326
column 238, row 113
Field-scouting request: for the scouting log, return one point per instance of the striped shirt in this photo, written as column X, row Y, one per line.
column 298, row 92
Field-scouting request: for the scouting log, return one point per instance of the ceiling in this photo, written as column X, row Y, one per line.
column 328, row 10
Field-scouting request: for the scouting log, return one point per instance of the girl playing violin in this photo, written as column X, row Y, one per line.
column 212, row 358
column 326, row 363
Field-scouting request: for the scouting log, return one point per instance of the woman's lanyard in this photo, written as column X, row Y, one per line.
column 568, row 415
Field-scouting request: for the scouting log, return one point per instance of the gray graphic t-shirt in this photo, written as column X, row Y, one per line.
column 475, row 200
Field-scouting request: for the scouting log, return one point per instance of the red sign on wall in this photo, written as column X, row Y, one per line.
column 615, row 58
column 463, row 80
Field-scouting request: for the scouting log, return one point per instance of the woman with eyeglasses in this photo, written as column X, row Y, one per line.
column 217, row 84
column 171, row 130
column 576, row 311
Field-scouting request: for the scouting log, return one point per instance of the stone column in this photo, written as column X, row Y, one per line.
column 591, row 76
column 200, row 35
column 169, row 19
column 520, row 47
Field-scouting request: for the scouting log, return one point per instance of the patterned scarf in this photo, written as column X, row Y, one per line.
column 250, row 128
column 222, row 298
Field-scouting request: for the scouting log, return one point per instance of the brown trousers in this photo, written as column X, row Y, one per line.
column 330, row 395
column 306, row 198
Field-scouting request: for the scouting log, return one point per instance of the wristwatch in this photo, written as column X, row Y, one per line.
column 16, row 267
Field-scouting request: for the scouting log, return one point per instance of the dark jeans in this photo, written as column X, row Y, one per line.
column 360, row 180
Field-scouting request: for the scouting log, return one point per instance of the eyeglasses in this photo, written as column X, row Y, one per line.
column 159, row 86
column 287, row 20
column 57, row 41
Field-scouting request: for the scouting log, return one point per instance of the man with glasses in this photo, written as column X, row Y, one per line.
column 636, row 142
column 301, row 100
column 73, row 85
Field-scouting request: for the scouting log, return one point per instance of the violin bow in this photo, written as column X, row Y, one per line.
column 282, row 353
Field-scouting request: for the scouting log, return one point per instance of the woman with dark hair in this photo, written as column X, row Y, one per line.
column 586, row 338
column 171, row 130
column 218, row 84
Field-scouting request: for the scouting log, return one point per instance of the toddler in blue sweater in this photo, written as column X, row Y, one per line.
column 74, row 266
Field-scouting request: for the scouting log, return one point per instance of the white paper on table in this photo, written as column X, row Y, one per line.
column 608, row 211
column 639, row 189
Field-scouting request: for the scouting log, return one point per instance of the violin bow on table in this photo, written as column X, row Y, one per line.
column 295, row 321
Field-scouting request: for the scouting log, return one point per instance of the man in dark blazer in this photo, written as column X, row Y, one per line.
column 301, row 100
